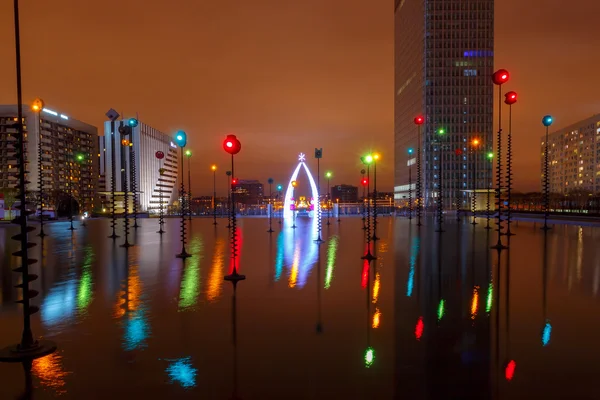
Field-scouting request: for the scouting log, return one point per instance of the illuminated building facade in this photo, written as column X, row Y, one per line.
column 68, row 149
column 444, row 58
column 145, row 143
column 574, row 157
column 248, row 192
column 344, row 193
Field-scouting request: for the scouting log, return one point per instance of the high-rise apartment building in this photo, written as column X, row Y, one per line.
column 145, row 142
column 574, row 157
column 444, row 59
column 68, row 148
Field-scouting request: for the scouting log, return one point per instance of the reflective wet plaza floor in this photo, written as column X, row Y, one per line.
column 434, row 317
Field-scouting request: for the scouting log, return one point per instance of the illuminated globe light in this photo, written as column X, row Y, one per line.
column 125, row 142
column 294, row 183
column 80, row 157
column 490, row 155
column 509, row 371
column 368, row 159
column 188, row 153
column 376, row 157
column 132, row 122
column 475, row 142
column 441, row 309
column 547, row 120
column 328, row 174
column 364, row 181
column 419, row 120
column 546, row 333
column 369, row 357
column 500, row 77
column 419, row 328
column 213, row 167
column 279, row 187
column 441, row 131
column 510, row 98
column 37, row 105
column 410, row 151
column 181, row 138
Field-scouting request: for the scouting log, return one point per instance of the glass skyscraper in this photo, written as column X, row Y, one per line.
column 444, row 60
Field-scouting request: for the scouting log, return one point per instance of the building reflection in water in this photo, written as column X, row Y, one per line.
column 182, row 372
column 190, row 284
column 50, row 372
column 215, row 278
column 299, row 252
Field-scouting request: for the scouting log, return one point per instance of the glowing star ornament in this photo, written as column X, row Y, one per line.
column 301, row 157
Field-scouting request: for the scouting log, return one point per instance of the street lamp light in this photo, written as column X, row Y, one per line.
column 188, row 154
column 510, row 98
column 499, row 78
column 546, row 121
column 181, row 141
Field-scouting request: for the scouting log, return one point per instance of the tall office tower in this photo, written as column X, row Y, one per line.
column 67, row 147
column 146, row 142
column 444, row 59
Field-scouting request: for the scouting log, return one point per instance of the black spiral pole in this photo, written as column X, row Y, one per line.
column 369, row 256
column 270, row 181
column 214, row 195
column 419, row 120
column 28, row 348
column 510, row 99
column 124, row 185
column 364, row 207
column 39, row 105
column 71, row 194
column 457, row 205
column 233, row 146
column 318, row 155
column 183, row 254
column 230, row 186
column 546, row 121
column 113, row 172
column 375, row 159
column 161, row 209
column 410, row 187
column 81, row 190
column 188, row 153
column 474, row 184
column 134, row 188
column 499, row 77
column 440, row 198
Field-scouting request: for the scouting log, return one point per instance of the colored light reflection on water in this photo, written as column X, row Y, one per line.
column 190, row 284
column 441, row 309
column 280, row 257
column 182, row 372
column 369, row 357
column 215, row 279
column 546, row 334
column 50, row 372
column 490, row 297
column 414, row 252
column 331, row 254
column 376, row 318
column 475, row 302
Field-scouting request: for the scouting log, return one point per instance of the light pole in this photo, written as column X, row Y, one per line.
column 214, row 170
column 318, row 156
column 440, row 199
column 28, row 349
column 133, row 123
column 160, row 155
column 188, row 154
column 376, row 158
column 410, row 153
column 419, row 120
column 546, row 121
column 71, row 194
column 474, row 144
column 364, row 182
column 125, row 131
column 113, row 115
column 270, row 181
column 230, row 186
column 233, row 146
column 80, row 160
column 181, row 141
column 499, row 77
column 490, row 157
column 328, row 175
column 510, row 98
column 37, row 107
column 294, row 184
column 368, row 160
column 279, row 189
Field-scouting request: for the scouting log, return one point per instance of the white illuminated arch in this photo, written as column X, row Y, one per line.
column 287, row 213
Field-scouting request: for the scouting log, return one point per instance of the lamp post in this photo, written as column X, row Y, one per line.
column 328, row 175
column 270, row 181
column 233, row 146
column 279, row 189
column 338, row 207
column 490, row 157
column 410, row 153
column 474, row 144
column 376, row 158
column 181, row 141
column 419, row 120
column 188, row 154
column 230, row 186
column 294, row 184
column 37, row 107
column 133, row 123
column 546, row 121
column 499, row 77
column 160, row 155
column 80, row 160
column 125, row 131
column 364, row 182
column 318, row 156
column 440, row 199
column 510, row 98
column 71, row 194
column 214, row 170
column 113, row 115
column 28, row 349
column 368, row 160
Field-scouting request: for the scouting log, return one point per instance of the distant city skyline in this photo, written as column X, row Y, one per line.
column 285, row 78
